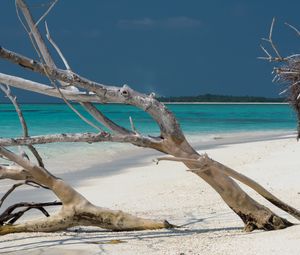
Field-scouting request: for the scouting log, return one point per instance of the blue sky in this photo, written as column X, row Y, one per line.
column 171, row 47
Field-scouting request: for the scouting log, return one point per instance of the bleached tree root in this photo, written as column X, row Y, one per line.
column 266, row 220
column 89, row 215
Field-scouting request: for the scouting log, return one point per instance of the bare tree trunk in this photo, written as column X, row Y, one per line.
column 253, row 214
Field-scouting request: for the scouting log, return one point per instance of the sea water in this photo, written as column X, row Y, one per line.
column 195, row 119
column 204, row 125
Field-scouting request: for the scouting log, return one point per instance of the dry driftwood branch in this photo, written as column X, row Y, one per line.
column 169, row 145
column 82, row 137
column 57, row 49
column 21, row 83
column 14, row 101
column 288, row 72
column 46, row 13
column 66, row 85
column 14, row 172
column 270, row 40
column 10, row 191
column 8, row 217
column 101, row 118
column 42, row 50
column 76, row 209
column 293, row 27
column 33, row 31
column 206, row 161
column 16, row 185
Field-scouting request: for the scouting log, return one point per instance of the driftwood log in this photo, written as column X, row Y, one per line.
column 75, row 209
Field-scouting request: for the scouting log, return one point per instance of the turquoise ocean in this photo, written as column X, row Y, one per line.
column 195, row 119
column 205, row 126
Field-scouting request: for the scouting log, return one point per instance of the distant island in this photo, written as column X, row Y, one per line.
column 205, row 98
column 221, row 98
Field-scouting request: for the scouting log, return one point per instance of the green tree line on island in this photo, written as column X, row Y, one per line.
column 221, row 98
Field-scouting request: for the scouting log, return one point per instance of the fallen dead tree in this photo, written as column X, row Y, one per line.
column 75, row 209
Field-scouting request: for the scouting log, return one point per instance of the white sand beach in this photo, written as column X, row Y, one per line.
column 135, row 184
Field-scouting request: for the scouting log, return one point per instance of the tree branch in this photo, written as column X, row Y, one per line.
column 167, row 122
column 40, row 88
column 57, row 48
column 270, row 40
column 205, row 163
column 34, row 32
column 16, row 185
column 8, row 217
column 14, row 101
column 294, row 28
column 14, row 172
column 82, row 137
column 46, row 13
column 99, row 116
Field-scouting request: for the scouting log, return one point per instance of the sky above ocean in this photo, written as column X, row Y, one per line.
column 170, row 47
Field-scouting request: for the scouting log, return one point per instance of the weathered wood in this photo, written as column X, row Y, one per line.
column 141, row 141
column 76, row 209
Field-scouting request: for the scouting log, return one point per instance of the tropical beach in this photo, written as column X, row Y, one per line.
column 120, row 176
column 134, row 183
column 149, row 128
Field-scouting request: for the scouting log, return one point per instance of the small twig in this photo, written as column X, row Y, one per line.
column 289, row 72
column 4, row 158
column 276, row 77
column 57, row 49
column 46, row 13
column 283, row 92
column 198, row 170
column 293, row 56
column 294, row 28
column 72, row 108
column 10, row 191
column 23, row 154
column 19, row 17
column 71, row 87
column 16, row 185
column 178, row 159
column 101, row 118
column 270, row 40
column 133, row 126
column 66, row 85
column 10, row 217
column 20, row 4
column 44, row 55
column 267, row 53
column 23, row 123
column 14, row 217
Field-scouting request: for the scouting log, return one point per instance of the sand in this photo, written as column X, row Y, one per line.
column 166, row 191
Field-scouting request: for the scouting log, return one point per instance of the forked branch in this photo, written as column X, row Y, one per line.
column 10, row 217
